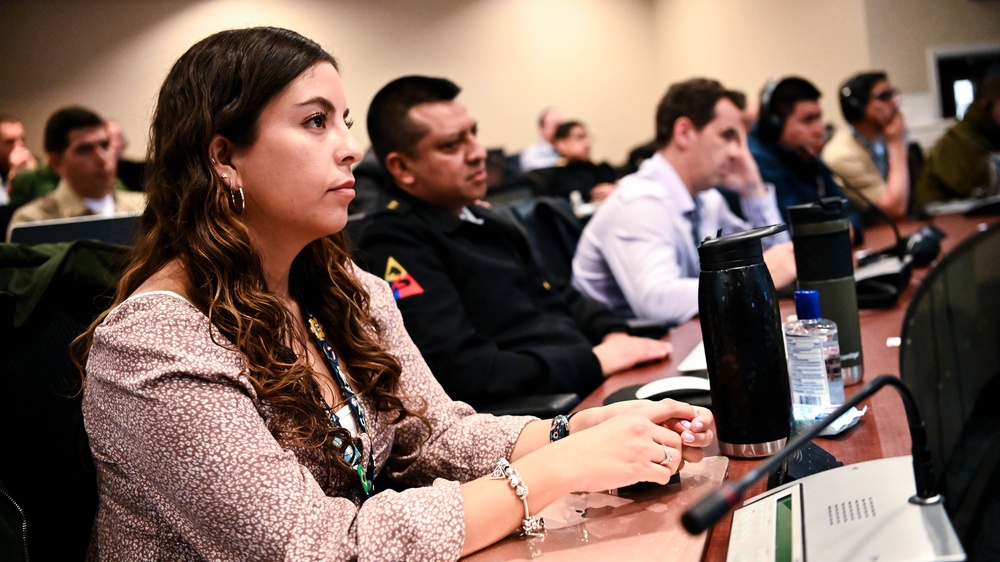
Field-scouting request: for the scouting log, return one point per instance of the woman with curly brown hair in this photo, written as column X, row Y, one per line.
column 250, row 382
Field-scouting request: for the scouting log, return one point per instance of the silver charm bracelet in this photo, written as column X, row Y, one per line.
column 530, row 526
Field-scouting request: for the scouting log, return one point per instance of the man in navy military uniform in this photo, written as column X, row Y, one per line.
column 479, row 308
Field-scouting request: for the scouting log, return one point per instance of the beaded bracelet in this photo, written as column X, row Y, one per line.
column 560, row 427
column 530, row 526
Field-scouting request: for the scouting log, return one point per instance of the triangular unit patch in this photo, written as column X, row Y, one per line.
column 402, row 284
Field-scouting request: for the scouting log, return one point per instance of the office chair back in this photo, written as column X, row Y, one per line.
column 553, row 232
column 950, row 359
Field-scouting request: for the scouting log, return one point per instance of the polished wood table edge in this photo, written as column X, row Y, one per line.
column 639, row 524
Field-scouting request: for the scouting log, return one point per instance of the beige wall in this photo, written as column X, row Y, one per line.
column 512, row 57
column 900, row 38
column 746, row 43
column 604, row 61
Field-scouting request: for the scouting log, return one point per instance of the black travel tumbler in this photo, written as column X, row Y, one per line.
column 823, row 261
column 744, row 349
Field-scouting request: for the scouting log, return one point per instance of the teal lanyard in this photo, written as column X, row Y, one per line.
column 352, row 455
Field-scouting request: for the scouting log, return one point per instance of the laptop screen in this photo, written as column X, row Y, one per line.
column 117, row 229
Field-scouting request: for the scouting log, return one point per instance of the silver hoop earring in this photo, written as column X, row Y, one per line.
column 236, row 200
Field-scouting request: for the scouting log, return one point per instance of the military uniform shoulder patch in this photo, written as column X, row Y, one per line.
column 403, row 285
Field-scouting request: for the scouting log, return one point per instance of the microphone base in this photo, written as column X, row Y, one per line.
column 808, row 460
column 752, row 450
column 886, row 268
column 859, row 511
column 933, row 500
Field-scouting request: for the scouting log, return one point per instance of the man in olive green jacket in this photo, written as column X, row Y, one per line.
column 959, row 164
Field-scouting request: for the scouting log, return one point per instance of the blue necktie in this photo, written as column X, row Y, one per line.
column 695, row 219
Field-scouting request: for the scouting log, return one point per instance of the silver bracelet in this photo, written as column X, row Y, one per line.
column 530, row 526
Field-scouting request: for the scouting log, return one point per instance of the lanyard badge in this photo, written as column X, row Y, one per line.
column 352, row 454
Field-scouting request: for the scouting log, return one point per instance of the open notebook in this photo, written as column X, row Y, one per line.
column 695, row 362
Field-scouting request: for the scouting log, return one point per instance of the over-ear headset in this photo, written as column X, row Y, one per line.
column 856, row 92
column 916, row 250
column 769, row 123
column 852, row 105
column 874, row 293
column 924, row 245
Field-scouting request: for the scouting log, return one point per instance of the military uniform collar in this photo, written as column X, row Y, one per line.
column 401, row 202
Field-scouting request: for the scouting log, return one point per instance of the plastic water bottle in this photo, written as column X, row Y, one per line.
column 813, row 354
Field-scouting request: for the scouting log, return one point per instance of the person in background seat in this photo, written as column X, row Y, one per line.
column 575, row 170
column 870, row 154
column 786, row 143
column 14, row 155
column 81, row 155
column 542, row 154
column 959, row 164
column 638, row 253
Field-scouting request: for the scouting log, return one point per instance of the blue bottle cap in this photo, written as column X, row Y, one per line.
column 807, row 304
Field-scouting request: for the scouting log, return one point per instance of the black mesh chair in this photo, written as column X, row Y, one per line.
column 553, row 232
column 6, row 213
column 950, row 359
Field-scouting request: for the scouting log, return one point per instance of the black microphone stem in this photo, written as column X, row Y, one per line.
column 900, row 243
column 716, row 504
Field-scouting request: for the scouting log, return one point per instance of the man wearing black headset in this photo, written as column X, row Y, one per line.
column 869, row 155
column 786, row 142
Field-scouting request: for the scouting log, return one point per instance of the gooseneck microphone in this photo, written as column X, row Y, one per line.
column 899, row 250
column 717, row 503
column 922, row 247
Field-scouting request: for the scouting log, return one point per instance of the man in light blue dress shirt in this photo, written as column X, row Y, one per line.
column 638, row 253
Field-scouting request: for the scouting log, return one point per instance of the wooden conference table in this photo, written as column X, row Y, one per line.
column 882, row 432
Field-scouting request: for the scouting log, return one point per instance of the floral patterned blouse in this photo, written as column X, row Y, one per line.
column 188, row 469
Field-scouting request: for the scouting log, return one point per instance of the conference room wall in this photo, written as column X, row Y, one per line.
column 605, row 61
column 748, row 43
column 902, row 31
column 592, row 58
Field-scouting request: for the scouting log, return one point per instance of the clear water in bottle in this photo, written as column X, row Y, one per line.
column 813, row 350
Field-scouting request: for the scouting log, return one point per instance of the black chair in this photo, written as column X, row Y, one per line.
column 6, row 213
column 371, row 181
column 512, row 169
column 637, row 156
column 48, row 296
column 539, row 405
column 509, row 193
column 542, row 182
column 915, row 165
column 552, row 231
column 950, row 359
